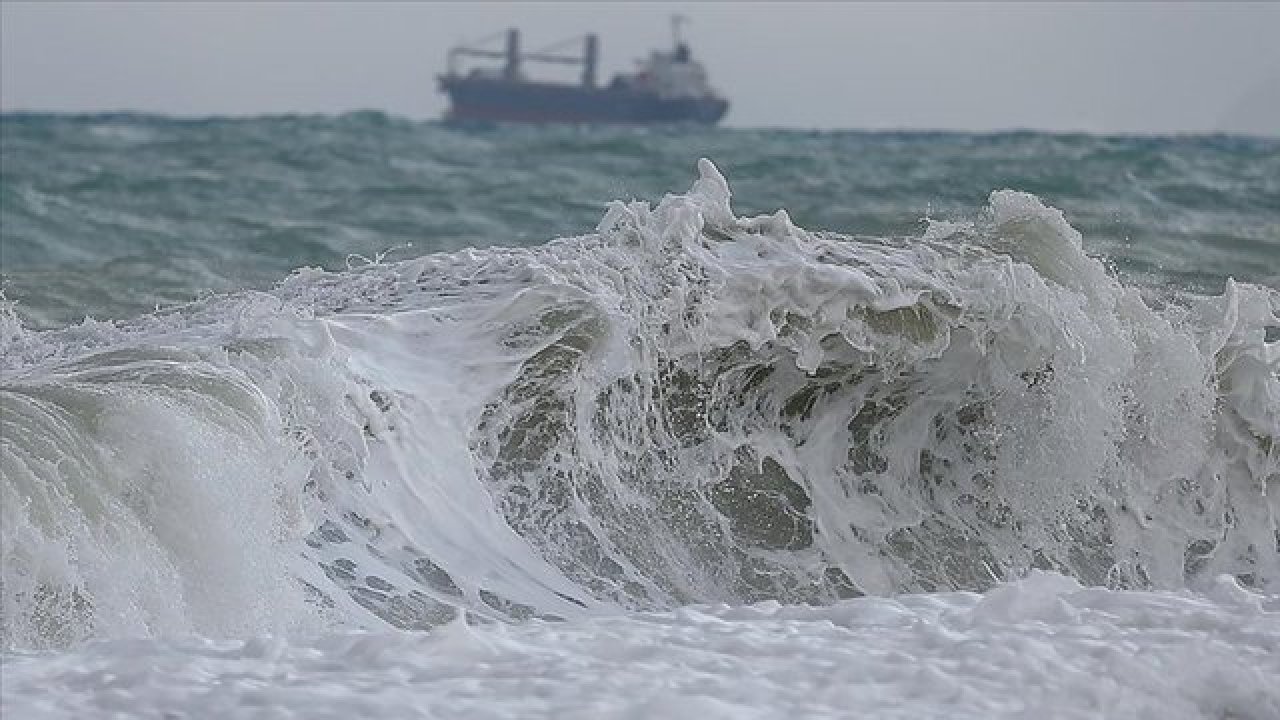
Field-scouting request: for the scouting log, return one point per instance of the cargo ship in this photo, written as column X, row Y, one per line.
column 668, row 87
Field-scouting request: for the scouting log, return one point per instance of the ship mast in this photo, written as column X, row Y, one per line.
column 679, row 51
column 676, row 21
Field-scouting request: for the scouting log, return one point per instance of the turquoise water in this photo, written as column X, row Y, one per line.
column 112, row 215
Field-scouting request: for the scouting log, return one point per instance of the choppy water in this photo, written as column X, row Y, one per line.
column 110, row 215
column 378, row 393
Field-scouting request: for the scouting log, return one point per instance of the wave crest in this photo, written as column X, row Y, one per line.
column 685, row 406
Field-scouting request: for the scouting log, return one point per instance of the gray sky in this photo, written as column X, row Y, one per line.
column 1142, row 67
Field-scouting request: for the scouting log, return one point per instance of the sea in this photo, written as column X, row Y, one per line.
column 348, row 416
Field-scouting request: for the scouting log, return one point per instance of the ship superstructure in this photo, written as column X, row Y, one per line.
column 668, row 87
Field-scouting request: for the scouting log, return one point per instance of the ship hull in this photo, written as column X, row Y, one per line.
column 484, row 100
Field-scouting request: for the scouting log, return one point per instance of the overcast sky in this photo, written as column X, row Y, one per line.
column 1142, row 67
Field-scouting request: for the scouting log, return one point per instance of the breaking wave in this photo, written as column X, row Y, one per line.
column 684, row 406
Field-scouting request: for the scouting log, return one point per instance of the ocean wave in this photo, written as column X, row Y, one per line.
column 683, row 406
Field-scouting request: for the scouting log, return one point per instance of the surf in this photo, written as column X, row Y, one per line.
column 684, row 406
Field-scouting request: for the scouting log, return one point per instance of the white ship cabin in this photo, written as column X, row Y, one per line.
column 674, row 74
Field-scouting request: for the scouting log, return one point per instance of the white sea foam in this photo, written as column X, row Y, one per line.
column 684, row 407
column 1044, row 645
